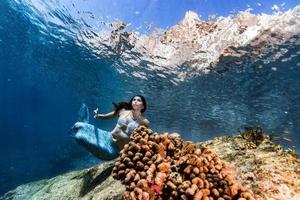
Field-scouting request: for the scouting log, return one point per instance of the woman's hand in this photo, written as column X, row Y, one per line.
column 103, row 116
column 96, row 114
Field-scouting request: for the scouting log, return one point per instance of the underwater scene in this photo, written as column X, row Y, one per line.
column 137, row 99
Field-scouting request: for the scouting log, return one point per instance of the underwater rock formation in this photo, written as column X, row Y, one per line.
column 154, row 166
column 266, row 169
column 263, row 166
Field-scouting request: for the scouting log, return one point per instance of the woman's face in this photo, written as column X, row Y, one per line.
column 137, row 103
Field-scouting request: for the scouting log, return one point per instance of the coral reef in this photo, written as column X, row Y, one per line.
column 253, row 134
column 162, row 166
column 266, row 169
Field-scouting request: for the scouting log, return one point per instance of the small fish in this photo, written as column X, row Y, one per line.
column 156, row 188
column 287, row 139
column 228, row 170
column 275, row 137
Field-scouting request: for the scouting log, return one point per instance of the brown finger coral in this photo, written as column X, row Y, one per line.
column 162, row 166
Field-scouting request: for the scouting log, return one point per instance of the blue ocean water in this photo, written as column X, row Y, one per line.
column 46, row 74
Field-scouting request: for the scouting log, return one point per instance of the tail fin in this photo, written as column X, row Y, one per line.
column 83, row 114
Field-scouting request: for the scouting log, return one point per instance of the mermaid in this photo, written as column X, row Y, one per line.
column 104, row 144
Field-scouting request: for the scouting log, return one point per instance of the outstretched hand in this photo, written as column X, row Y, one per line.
column 96, row 114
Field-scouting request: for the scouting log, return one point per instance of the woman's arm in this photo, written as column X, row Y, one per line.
column 105, row 116
column 143, row 121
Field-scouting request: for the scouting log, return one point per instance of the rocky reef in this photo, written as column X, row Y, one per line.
column 246, row 166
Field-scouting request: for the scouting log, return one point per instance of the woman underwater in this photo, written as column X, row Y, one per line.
column 107, row 145
column 130, row 117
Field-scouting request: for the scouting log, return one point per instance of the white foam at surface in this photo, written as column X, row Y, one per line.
column 196, row 43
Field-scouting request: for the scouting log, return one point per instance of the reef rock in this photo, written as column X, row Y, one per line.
column 94, row 183
column 239, row 165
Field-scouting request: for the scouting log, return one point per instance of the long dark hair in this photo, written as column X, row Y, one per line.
column 128, row 105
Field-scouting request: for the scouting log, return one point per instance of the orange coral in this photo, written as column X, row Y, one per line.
column 154, row 166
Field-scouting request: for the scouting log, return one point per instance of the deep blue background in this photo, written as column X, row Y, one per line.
column 43, row 83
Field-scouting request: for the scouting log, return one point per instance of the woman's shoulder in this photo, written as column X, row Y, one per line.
column 122, row 111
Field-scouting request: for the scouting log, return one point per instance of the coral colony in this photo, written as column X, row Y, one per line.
column 163, row 166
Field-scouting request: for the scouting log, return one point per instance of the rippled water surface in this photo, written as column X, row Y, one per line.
column 47, row 71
